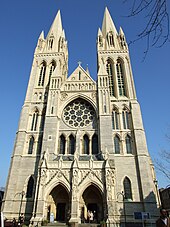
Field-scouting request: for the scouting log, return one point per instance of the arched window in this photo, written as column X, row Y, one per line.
column 52, row 67
column 115, row 121
column 31, row 145
column 128, row 145
column 34, row 121
column 109, row 69
column 62, row 145
column 30, row 187
column 110, row 39
column 125, row 118
column 120, row 78
column 85, row 144
column 95, row 144
column 117, row 144
column 127, row 188
column 50, row 43
column 71, row 144
column 42, row 74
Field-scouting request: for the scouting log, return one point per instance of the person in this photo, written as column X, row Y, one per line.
column 88, row 216
column 52, row 217
column 14, row 223
column 21, row 220
column 163, row 220
column 91, row 216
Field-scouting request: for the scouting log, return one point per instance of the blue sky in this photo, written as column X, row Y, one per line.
column 21, row 23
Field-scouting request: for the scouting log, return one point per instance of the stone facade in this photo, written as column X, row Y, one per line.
column 80, row 143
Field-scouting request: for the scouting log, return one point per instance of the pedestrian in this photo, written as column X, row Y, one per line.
column 163, row 220
column 91, row 216
column 21, row 219
column 14, row 223
column 88, row 216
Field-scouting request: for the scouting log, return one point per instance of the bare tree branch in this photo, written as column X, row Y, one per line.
column 163, row 163
column 155, row 12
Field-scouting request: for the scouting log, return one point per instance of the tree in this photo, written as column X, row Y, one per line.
column 163, row 163
column 156, row 31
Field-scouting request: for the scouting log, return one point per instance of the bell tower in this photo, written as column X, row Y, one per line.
column 122, row 136
column 49, row 70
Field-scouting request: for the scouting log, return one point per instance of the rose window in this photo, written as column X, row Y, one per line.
column 78, row 113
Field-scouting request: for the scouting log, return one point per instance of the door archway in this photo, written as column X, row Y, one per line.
column 91, row 200
column 58, row 204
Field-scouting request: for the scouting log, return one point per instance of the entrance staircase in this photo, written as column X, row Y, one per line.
column 61, row 224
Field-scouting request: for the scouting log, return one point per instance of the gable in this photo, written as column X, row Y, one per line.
column 80, row 75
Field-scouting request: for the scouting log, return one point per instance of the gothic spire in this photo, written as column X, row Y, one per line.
column 108, row 24
column 56, row 27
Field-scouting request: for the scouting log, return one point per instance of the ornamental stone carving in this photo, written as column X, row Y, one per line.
column 64, row 96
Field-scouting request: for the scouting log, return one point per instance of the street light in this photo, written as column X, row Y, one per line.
column 20, row 207
column 124, row 208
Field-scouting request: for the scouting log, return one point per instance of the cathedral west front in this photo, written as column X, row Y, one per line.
column 81, row 144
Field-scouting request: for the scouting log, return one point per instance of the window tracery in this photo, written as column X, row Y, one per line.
column 78, row 113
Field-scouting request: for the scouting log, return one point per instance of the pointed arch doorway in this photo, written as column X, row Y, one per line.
column 91, row 200
column 58, row 204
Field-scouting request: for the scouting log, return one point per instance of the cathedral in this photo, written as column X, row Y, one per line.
column 80, row 146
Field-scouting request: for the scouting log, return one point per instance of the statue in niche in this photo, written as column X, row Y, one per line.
column 110, row 184
column 75, row 184
column 43, row 176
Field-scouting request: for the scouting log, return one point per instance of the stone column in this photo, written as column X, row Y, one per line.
column 75, row 200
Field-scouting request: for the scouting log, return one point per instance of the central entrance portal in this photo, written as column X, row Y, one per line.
column 61, row 212
column 58, row 204
column 91, row 202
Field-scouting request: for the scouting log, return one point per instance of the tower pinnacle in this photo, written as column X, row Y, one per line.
column 56, row 27
column 108, row 24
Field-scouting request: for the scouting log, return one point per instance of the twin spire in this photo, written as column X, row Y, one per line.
column 55, row 40
column 108, row 24
column 56, row 27
column 108, row 38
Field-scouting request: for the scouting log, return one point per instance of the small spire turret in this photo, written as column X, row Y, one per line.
column 100, row 40
column 109, row 32
column 40, row 43
column 122, row 39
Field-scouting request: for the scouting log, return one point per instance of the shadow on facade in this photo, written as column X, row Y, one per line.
column 139, row 214
column 31, row 206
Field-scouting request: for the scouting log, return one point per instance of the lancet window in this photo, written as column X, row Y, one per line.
column 128, row 144
column 30, row 187
column 95, row 144
column 50, row 43
column 109, row 69
column 71, row 144
column 115, row 120
column 120, row 79
column 127, row 188
column 34, row 121
column 110, row 39
column 117, row 144
column 52, row 67
column 126, row 119
column 62, row 144
column 86, row 144
column 31, row 145
column 42, row 74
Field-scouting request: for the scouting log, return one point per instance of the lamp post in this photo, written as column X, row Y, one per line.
column 20, row 207
column 124, row 208
column 157, row 192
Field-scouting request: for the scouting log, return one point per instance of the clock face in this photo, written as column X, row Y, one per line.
column 79, row 113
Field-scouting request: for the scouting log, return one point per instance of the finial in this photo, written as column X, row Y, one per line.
column 87, row 70
column 79, row 63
